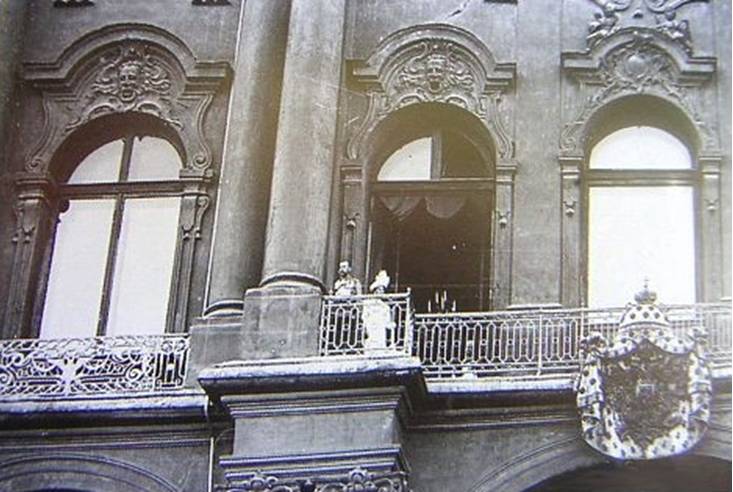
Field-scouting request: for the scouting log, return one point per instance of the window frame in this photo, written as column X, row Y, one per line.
column 120, row 191
column 642, row 178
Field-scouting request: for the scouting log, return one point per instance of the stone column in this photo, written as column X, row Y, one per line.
column 281, row 317
column 297, row 229
column 244, row 188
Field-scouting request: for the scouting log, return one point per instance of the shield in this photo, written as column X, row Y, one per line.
column 645, row 393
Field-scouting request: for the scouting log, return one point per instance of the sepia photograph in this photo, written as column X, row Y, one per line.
column 365, row 246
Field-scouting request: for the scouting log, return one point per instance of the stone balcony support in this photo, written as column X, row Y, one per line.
column 315, row 419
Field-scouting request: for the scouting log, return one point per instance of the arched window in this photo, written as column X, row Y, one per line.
column 431, row 215
column 641, row 216
column 114, row 248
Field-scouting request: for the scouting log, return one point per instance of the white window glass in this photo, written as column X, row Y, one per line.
column 153, row 159
column 76, row 278
column 410, row 162
column 640, row 147
column 101, row 166
column 638, row 233
column 142, row 276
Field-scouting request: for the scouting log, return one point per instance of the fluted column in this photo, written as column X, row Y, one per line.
column 241, row 215
column 297, row 229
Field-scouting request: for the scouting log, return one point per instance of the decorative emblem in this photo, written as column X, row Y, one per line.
column 645, row 393
column 608, row 20
column 435, row 73
column 130, row 78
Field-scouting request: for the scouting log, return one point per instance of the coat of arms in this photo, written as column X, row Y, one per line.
column 646, row 392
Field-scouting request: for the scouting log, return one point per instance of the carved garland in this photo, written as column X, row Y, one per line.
column 434, row 70
column 637, row 66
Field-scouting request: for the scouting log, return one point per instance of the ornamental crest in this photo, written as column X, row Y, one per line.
column 436, row 72
column 129, row 78
column 646, row 392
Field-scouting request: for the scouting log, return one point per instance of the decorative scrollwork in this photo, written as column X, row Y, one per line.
column 636, row 66
column 435, row 64
column 358, row 480
column 61, row 368
column 608, row 20
column 130, row 77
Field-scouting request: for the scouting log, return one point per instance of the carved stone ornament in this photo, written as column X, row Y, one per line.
column 124, row 69
column 646, row 392
column 130, row 77
column 614, row 15
column 636, row 62
column 433, row 64
column 358, row 480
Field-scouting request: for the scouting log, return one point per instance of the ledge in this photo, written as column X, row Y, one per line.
column 312, row 373
column 171, row 404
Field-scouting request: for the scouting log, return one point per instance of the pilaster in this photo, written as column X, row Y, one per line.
column 711, row 240
column 572, row 278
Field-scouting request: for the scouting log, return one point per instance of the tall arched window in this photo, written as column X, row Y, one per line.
column 641, row 216
column 431, row 215
column 113, row 253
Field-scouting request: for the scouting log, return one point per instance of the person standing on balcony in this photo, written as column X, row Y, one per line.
column 346, row 285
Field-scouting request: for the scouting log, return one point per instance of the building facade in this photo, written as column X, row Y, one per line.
column 345, row 245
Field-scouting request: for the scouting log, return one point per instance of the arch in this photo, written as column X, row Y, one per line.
column 641, row 110
column 569, row 454
column 76, row 471
column 405, row 124
column 432, row 63
column 104, row 129
column 126, row 68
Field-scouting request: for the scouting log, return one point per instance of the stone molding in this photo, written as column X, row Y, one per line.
column 126, row 68
column 635, row 61
column 434, row 63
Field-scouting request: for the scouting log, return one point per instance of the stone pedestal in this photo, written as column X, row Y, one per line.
column 316, row 420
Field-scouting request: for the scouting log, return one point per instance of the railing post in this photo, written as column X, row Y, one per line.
column 539, row 345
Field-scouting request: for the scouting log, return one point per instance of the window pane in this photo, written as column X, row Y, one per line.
column 153, row 159
column 409, row 163
column 142, row 277
column 77, row 270
column 640, row 147
column 638, row 233
column 101, row 166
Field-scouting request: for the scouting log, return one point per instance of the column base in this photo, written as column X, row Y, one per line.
column 281, row 319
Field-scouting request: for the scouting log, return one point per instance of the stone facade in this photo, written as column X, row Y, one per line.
column 283, row 112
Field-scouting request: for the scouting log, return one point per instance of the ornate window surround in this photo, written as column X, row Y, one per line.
column 123, row 69
column 419, row 65
column 637, row 63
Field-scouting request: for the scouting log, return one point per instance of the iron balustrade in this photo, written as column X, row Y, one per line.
column 63, row 368
column 343, row 329
column 519, row 344
column 542, row 343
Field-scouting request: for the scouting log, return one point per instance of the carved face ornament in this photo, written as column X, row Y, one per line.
column 435, row 69
column 129, row 81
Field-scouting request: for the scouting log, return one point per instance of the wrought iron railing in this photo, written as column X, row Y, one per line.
column 353, row 325
column 541, row 343
column 517, row 344
column 63, row 368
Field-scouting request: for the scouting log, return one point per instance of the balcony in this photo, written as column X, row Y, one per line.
column 537, row 348
column 99, row 366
